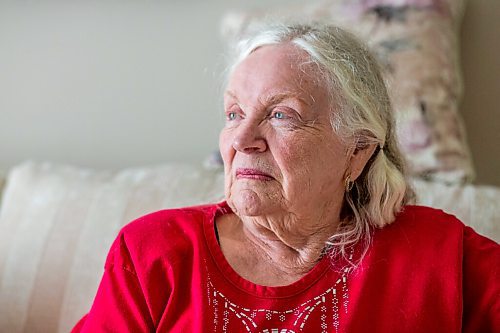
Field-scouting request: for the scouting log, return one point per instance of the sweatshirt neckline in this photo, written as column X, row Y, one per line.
column 245, row 285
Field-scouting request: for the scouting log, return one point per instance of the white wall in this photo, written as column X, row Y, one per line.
column 110, row 84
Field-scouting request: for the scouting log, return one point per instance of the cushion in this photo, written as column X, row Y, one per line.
column 57, row 223
column 416, row 42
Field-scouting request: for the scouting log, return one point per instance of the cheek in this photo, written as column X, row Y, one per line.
column 296, row 151
column 295, row 161
column 306, row 162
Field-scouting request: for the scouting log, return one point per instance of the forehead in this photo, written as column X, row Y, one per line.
column 281, row 68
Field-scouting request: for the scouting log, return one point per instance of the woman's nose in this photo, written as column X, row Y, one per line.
column 249, row 139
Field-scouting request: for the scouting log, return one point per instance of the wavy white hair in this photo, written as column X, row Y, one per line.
column 361, row 114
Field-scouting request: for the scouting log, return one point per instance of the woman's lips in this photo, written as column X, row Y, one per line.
column 246, row 173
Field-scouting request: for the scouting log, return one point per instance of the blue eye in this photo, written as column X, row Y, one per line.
column 231, row 115
column 278, row 115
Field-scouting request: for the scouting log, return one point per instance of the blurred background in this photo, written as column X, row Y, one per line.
column 113, row 84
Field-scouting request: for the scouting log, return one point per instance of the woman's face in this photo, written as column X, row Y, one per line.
column 279, row 149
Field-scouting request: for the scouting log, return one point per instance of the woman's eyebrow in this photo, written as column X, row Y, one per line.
column 280, row 97
column 273, row 98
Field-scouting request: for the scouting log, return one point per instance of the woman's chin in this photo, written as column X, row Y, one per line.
column 248, row 202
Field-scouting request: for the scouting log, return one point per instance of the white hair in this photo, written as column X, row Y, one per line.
column 361, row 114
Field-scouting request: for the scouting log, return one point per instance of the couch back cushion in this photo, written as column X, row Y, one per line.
column 56, row 226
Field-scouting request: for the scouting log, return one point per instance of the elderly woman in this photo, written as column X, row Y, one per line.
column 316, row 234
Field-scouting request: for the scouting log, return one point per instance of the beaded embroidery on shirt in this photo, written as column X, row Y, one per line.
column 335, row 299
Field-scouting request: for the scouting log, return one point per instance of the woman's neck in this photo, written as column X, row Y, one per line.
column 273, row 252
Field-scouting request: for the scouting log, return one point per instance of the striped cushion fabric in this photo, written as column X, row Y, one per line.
column 57, row 223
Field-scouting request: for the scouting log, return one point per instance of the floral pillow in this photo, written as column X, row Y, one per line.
column 417, row 44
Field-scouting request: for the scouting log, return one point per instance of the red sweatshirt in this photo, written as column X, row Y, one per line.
column 426, row 272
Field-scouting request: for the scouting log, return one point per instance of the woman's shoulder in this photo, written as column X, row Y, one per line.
column 422, row 228
column 443, row 263
column 163, row 234
column 421, row 225
column 170, row 221
column 424, row 214
column 427, row 219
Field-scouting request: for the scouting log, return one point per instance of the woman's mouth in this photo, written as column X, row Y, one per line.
column 247, row 173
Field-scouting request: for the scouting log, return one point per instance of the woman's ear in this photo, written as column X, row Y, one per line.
column 359, row 157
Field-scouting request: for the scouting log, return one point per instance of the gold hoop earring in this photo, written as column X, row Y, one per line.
column 348, row 184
